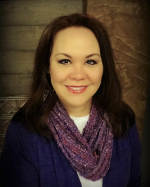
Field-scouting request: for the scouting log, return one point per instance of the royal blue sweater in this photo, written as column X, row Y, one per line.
column 30, row 160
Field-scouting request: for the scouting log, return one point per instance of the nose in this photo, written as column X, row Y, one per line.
column 78, row 72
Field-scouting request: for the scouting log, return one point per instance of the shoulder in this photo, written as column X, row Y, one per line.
column 17, row 128
column 20, row 127
column 134, row 138
column 20, row 142
column 23, row 144
column 21, row 155
column 21, row 138
column 19, row 131
column 127, row 149
column 133, row 133
column 130, row 142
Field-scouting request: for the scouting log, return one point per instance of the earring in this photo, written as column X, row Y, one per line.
column 46, row 93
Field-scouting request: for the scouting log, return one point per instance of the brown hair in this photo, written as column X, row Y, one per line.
column 108, row 97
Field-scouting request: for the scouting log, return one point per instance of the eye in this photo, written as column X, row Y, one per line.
column 91, row 62
column 64, row 61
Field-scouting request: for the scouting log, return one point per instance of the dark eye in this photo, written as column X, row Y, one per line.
column 91, row 62
column 64, row 61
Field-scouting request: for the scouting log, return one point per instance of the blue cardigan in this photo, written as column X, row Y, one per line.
column 30, row 160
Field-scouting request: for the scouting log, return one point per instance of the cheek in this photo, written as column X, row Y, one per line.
column 97, row 76
column 57, row 75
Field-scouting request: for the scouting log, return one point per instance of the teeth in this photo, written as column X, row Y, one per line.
column 76, row 88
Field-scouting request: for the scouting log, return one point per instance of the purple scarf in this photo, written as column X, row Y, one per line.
column 89, row 153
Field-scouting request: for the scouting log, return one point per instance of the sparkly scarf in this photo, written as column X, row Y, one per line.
column 89, row 153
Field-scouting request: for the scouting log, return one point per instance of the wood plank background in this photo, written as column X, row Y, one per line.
column 21, row 25
column 16, row 84
column 36, row 12
column 23, row 60
column 20, row 37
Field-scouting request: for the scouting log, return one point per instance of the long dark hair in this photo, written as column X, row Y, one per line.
column 108, row 97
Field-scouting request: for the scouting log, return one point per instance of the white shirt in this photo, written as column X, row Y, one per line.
column 80, row 123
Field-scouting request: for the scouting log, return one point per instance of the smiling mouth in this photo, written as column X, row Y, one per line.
column 76, row 89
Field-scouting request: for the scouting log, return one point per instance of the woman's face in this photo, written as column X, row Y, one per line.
column 76, row 67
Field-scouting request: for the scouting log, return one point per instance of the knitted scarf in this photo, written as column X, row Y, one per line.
column 89, row 153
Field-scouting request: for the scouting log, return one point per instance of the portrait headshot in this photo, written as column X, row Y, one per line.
column 76, row 120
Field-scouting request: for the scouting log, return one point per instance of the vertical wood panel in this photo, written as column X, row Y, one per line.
column 20, row 37
column 13, row 62
column 15, row 84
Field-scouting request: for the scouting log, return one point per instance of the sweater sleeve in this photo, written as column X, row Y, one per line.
column 16, row 168
column 135, row 176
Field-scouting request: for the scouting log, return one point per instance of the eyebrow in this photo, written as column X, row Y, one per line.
column 71, row 57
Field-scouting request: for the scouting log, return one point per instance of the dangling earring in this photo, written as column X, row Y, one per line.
column 46, row 93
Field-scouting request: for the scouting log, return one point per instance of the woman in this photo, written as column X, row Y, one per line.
column 74, row 130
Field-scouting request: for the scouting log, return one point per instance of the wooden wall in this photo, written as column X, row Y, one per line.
column 21, row 24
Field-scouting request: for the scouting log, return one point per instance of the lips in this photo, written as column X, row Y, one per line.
column 76, row 89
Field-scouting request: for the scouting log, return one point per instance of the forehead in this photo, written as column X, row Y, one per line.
column 74, row 38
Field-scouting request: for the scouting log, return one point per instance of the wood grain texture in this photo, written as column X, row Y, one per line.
column 14, row 84
column 20, row 37
column 14, row 62
column 36, row 13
